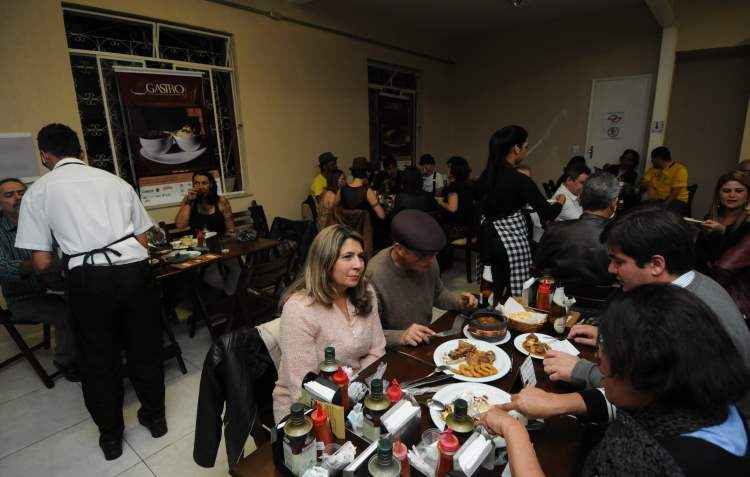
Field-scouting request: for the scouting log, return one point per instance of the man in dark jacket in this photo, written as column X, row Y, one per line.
column 571, row 249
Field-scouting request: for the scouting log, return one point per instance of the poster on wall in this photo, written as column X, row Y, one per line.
column 167, row 132
column 613, row 124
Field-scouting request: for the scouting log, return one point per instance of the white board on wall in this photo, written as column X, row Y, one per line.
column 17, row 157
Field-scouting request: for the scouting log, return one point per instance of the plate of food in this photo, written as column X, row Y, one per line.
column 472, row 360
column 533, row 344
column 181, row 256
column 503, row 340
column 480, row 398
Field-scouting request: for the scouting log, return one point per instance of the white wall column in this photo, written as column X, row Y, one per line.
column 663, row 91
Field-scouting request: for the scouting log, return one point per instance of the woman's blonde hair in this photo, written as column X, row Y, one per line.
column 316, row 280
column 717, row 210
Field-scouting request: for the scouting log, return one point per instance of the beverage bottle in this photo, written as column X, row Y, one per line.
column 545, row 290
column 382, row 464
column 298, row 441
column 485, row 289
column 329, row 365
column 373, row 408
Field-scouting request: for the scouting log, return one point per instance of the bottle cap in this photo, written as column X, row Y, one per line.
column 460, row 408
column 319, row 415
column 394, row 392
column 330, row 354
column 297, row 413
column 340, row 377
column 448, row 442
column 376, row 388
column 385, row 451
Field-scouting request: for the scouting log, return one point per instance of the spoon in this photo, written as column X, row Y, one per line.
column 436, row 405
column 438, row 369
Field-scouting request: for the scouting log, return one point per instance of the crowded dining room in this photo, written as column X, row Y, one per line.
column 388, row 238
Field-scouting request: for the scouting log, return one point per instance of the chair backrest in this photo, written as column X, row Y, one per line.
column 259, row 219
column 270, row 333
column 300, row 232
column 549, row 188
column 242, row 220
column 692, row 189
column 272, row 272
column 310, row 204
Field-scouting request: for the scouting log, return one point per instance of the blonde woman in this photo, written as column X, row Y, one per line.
column 330, row 303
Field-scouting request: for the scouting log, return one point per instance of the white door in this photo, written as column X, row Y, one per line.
column 618, row 119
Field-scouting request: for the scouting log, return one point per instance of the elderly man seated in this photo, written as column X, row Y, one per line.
column 22, row 290
column 407, row 281
column 571, row 249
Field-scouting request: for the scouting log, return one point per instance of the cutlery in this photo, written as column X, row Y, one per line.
column 433, row 380
column 417, row 358
column 458, row 323
column 438, row 369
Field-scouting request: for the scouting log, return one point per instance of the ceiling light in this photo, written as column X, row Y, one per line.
column 517, row 3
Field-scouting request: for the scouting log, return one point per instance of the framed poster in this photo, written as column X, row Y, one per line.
column 166, row 129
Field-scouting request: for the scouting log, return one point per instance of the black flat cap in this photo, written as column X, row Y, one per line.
column 417, row 231
column 325, row 158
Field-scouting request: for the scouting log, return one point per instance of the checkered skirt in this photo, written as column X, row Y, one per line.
column 514, row 234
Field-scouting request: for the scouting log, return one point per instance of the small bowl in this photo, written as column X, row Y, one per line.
column 156, row 145
column 488, row 325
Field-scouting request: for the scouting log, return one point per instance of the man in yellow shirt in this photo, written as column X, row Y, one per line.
column 666, row 181
column 327, row 163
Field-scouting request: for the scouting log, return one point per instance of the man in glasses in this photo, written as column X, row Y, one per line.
column 24, row 292
column 406, row 278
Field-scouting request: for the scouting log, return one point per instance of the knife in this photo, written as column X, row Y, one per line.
column 417, row 358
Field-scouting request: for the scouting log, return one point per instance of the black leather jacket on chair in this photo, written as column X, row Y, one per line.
column 239, row 372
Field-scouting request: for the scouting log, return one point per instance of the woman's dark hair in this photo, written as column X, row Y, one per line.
column 460, row 171
column 332, row 179
column 633, row 154
column 412, row 181
column 501, row 143
column 668, row 343
column 59, row 140
column 212, row 198
column 652, row 230
column 717, row 210
column 663, row 152
column 388, row 160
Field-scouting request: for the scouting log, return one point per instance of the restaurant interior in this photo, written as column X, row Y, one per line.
column 374, row 237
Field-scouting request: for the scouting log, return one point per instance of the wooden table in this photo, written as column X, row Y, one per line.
column 557, row 444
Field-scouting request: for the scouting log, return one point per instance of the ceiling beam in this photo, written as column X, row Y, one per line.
column 663, row 11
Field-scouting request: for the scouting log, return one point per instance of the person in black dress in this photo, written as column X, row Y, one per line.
column 204, row 209
column 357, row 194
column 412, row 195
column 503, row 192
column 457, row 199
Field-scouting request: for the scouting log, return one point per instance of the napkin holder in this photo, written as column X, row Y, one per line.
column 476, row 451
column 319, row 388
column 403, row 421
column 358, row 467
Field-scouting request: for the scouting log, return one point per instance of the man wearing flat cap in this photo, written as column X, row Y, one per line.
column 327, row 163
column 407, row 281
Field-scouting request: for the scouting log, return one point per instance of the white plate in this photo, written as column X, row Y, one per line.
column 518, row 342
column 184, row 255
column 502, row 341
column 209, row 234
column 173, row 158
column 502, row 360
column 451, row 392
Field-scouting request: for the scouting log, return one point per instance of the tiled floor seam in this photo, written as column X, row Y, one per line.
column 43, row 439
column 161, row 448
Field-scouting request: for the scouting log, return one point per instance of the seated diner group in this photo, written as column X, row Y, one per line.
column 672, row 381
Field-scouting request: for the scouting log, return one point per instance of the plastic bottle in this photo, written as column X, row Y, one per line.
column 299, row 441
column 341, row 379
column 322, row 429
column 382, row 464
column 545, row 290
column 400, row 453
column 448, row 445
column 394, row 392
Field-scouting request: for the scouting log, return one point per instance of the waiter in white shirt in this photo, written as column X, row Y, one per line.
column 99, row 223
column 575, row 176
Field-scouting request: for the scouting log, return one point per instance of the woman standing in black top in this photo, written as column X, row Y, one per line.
column 503, row 192
column 357, row 194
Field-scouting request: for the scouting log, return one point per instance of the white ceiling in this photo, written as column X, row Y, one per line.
column 461, row 18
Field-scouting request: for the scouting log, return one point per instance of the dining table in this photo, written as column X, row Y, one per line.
column 559, row 442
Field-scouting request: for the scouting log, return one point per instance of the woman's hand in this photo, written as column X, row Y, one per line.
column 560, row 199
column 535, row 403
column 713, row 226
column 499, row 421
column 191, row 195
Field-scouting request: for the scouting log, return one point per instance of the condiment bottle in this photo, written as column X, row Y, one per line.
column 394, row 392
column 329, row 365
column 382, row 464
column 374, row 406
column 299, row 441
column 485, row 288
column 200, row 237
column 341, row 379
column 459, row 421
column 400, row 453
column 545, row 290
column 322, row 429
column 448, row 445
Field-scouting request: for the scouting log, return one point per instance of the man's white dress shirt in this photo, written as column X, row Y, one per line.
column 571, row 209
column 82, row 208
column 439, row 181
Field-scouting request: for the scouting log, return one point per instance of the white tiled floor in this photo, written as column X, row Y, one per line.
column 48, row 432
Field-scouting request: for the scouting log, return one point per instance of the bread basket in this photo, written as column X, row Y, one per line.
column 526, row 327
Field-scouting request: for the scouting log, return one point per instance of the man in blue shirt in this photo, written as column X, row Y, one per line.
column 25, row 296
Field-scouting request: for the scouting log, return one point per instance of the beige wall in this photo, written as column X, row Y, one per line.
column 531, row 76
column 706, row 120
column 301, row 91
column 707, row 24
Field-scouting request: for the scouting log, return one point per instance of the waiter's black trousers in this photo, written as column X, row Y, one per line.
column 115, row 309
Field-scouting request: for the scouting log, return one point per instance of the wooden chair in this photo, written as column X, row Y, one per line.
column 260, row 288
column 692, row 189
column 260, row 222
column 26, row 350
